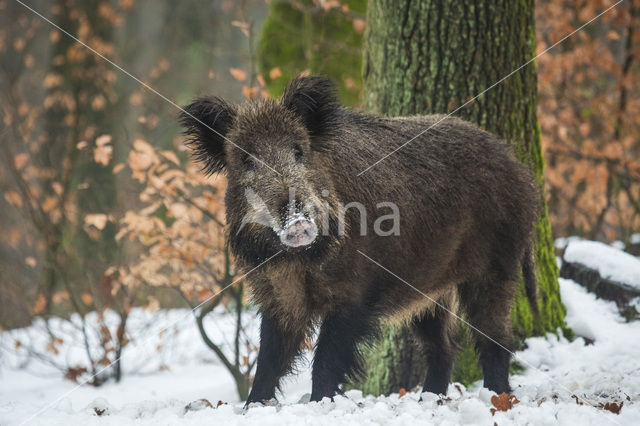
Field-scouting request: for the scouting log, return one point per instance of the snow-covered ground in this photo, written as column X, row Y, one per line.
column 565, row 382
column 610, row 262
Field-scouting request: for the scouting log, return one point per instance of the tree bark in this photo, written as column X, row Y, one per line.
column 432, row 56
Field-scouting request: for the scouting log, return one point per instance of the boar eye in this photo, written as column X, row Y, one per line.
column 297, row 154
column 250, row 164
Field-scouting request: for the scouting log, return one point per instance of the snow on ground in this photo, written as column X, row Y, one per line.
column 611, row 262
column 563, row 384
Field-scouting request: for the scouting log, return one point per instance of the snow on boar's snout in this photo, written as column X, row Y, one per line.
column 298, row 231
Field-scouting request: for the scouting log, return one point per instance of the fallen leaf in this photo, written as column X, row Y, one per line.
column 613, row 407
column 198, row 405
column 503, row 402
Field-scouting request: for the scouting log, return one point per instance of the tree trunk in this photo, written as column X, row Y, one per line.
column 431, row 57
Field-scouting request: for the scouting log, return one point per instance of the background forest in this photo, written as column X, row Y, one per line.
column 102, row 211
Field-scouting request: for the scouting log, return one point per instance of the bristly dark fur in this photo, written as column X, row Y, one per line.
column 467, row 213
column 315, row 100
column 206, row 121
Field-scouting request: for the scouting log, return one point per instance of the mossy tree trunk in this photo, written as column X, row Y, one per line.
column 431, row 57
column 303, row 35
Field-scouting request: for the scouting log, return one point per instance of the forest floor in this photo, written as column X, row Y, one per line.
column 583, row 382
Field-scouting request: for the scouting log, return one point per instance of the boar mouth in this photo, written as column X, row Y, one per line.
column 298, row 231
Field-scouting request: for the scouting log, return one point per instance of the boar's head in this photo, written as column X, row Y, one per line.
column 280, row 195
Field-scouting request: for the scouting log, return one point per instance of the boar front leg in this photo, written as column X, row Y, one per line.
column 337, row 357
column 278, row 349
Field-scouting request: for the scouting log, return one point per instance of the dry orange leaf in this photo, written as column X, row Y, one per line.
column 60, row 296
column 49, row 204
column 20, row 160
column 503, row 402
column 171, row 156
column 238, row 74
column 86, row 298
column 275, row 73
column 99, row 220
column 102, row 154
column 612, row 35
column 117, row 168
column 613, row 407
column 40, row 304
column 329, row 4
column 249, row 92
column 135, row 99
column 103, row 140
column 244, row 26
column 57, row 188
column 204, row 294
column 13, row 198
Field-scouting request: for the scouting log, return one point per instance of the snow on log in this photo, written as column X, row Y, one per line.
column 604, row 270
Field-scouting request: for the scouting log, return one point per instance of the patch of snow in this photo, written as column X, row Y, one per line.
column 610, row 262
column 617, row 244
column 607, row 370
column 562, row 242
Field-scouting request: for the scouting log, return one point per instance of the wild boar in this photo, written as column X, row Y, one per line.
column 458, row 237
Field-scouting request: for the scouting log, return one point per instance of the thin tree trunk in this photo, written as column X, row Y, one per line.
column 424, row 57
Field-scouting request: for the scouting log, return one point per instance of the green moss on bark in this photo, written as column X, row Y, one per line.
column 304, row 36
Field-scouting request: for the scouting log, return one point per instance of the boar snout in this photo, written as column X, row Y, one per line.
column 298, row 231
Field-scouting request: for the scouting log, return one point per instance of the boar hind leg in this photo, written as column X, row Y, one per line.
column 488, row 308
column 436, row 332
column 278, row 349
column 337, row 357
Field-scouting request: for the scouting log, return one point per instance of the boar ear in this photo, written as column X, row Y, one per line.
column 207, row 121
column 314, row 99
